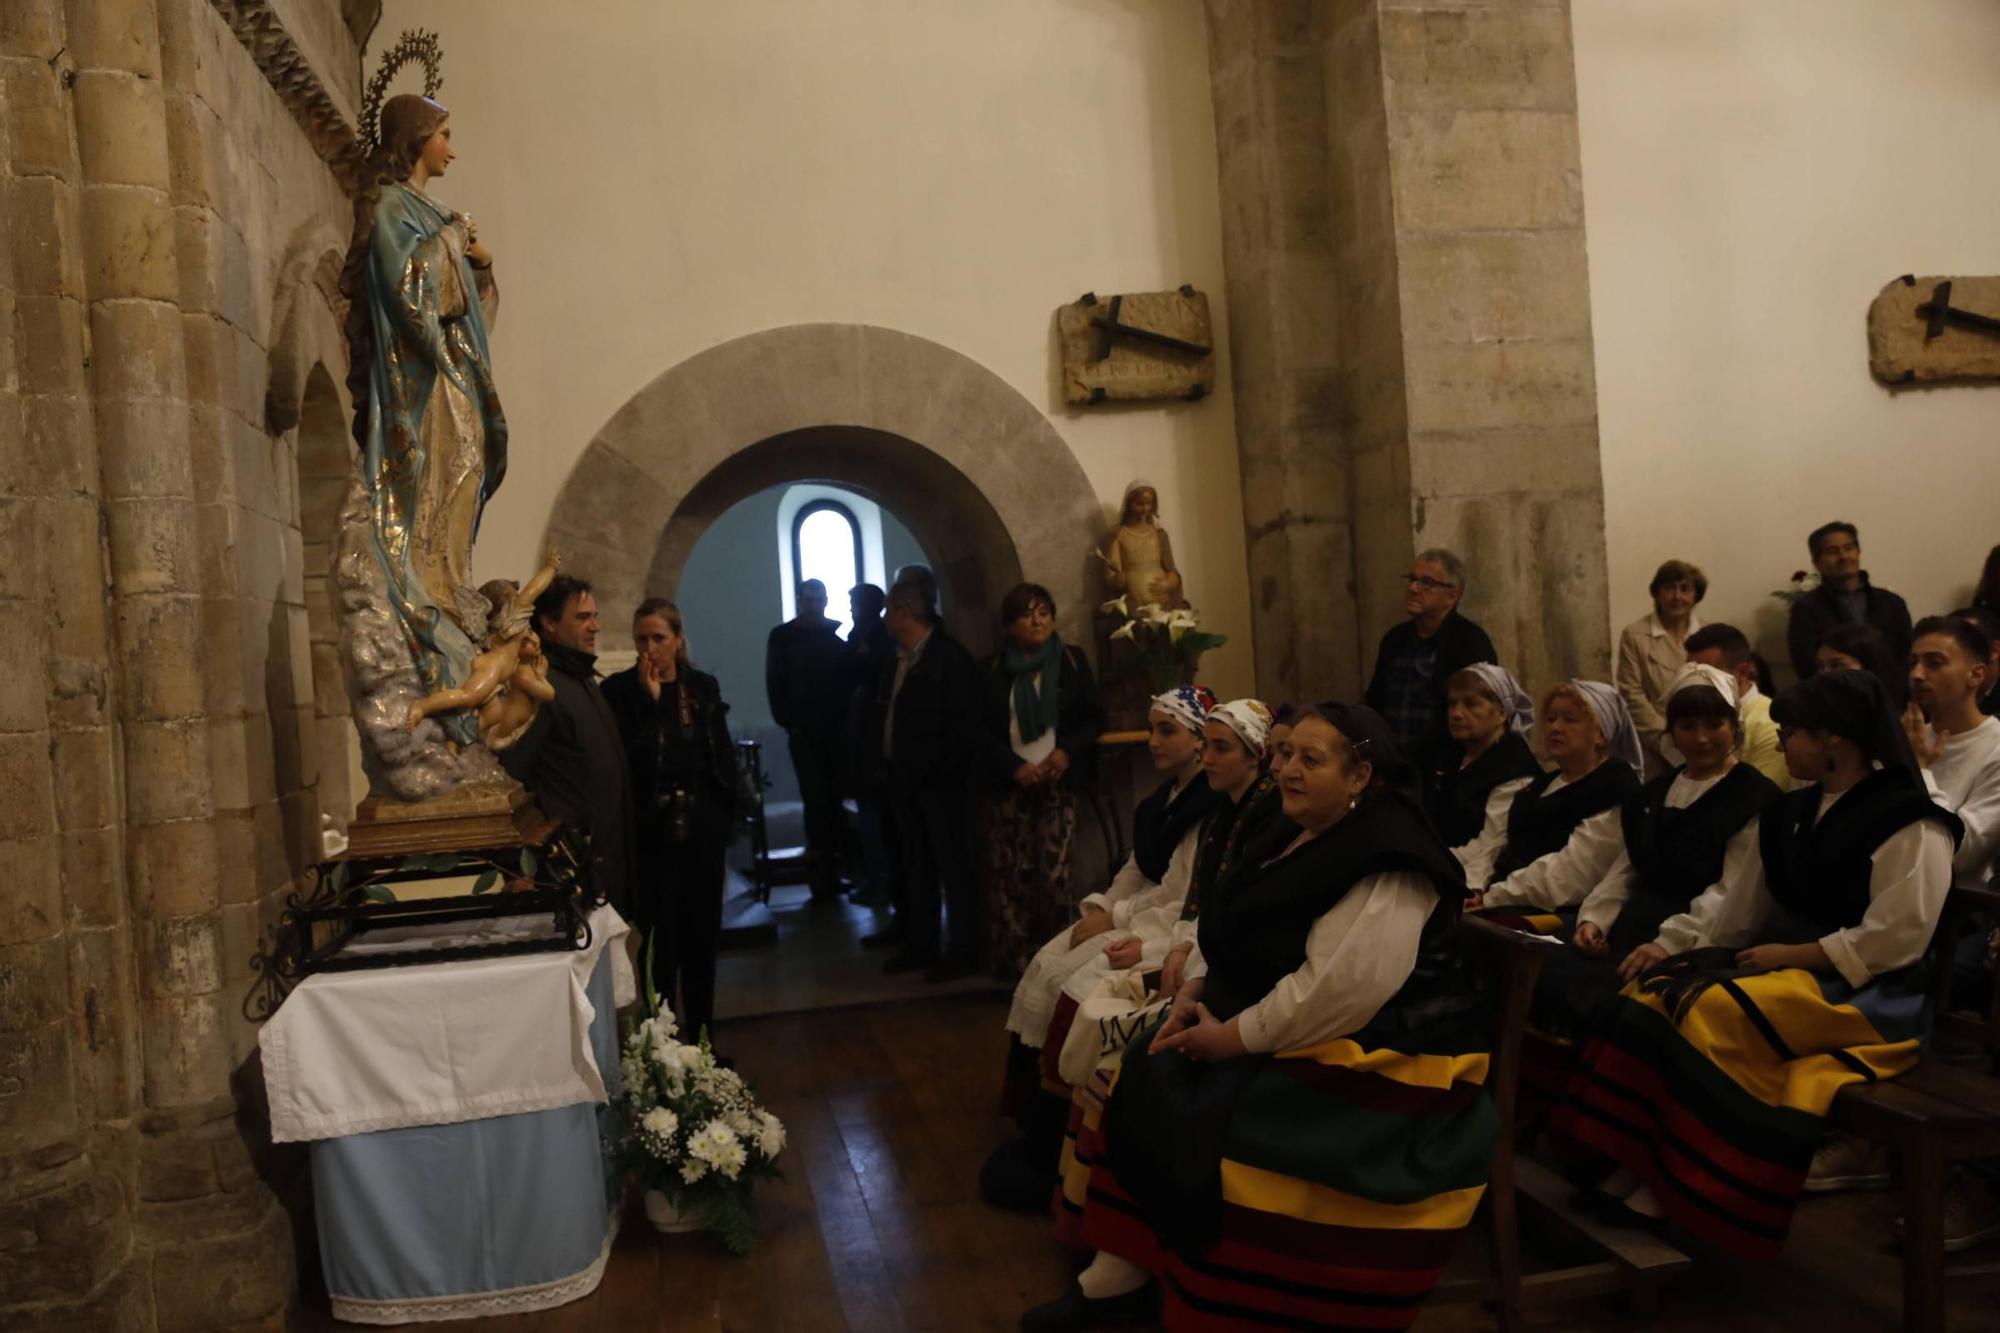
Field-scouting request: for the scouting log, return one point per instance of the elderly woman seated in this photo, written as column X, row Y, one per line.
column 1489, row 716
column 1590, row 737
column 1303, row 1136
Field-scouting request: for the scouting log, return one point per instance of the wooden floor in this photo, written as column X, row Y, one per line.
column 817, row 962
column 878, row 1225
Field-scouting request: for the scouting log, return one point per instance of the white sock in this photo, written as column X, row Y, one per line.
column 1109, row 1276
column 1643, row 1202
column 1620, row 1183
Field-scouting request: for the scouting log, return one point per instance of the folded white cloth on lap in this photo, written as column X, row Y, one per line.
column 439, row 1043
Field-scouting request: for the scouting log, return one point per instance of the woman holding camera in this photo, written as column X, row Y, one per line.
column 685, row 787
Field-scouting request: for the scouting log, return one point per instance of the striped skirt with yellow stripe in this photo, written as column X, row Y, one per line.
column 1716, row 1094
column 1347, row 1175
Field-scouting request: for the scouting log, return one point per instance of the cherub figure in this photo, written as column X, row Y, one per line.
column 1138, row 560
column 510, row 677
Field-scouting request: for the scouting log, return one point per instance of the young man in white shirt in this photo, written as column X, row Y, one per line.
column 1957, row 746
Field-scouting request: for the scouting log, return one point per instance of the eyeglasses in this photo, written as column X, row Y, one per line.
column 1425, row 581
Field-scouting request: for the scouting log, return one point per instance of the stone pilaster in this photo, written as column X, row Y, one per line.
column 213, row 1236
column 1279, row 249
column 1500, row 382
column 1410, row 325
column 68, row 1049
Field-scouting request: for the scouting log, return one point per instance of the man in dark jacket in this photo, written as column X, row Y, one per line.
column 866, row 776
column 805, row 680
column 571, row 756
column 1417, row 657
column 1844, row 597
column 930, row 703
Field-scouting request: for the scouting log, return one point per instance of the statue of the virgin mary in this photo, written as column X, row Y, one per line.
column 432, row 450
column 427, row 419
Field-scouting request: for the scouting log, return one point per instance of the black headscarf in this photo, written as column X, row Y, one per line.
column 1854, row 705
column 1368, row 732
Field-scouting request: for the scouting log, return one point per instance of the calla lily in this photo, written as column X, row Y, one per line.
column 1116, row 606
column 1124, row 631
column 1153, row 615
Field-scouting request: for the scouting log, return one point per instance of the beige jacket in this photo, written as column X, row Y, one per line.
column 1648, row 658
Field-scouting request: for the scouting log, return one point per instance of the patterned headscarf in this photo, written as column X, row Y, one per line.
column 1187, row 705
column 1614, row 722
column 1249, row 719
column 1701, row 673
column 1506, row 692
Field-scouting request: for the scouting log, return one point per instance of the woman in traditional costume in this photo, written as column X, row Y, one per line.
column 1302, row 1139
column 1234, row 750
column 1706, row 1084
column 1045, row 721
column 426, row 416
column 1150, row 886
column 1590, row 737
column 1675, row 838
column 1489, row 717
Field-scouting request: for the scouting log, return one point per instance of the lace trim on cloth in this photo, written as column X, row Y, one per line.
column 479, row 1304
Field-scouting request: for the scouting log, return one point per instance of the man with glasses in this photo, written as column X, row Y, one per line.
column 1418, row 656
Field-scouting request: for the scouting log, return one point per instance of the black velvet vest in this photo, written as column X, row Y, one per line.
column 1539, row 825
column 1457, row 792
column 1253, row 934
column 1223, row 835
column 1676, row 854
column 1162, row 819
column 1820, row 872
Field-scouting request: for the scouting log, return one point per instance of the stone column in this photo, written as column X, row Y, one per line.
column 1410, row 325
column 1500, row 387
column 68, row 1053
column 216, row 1242
column 1280, row 255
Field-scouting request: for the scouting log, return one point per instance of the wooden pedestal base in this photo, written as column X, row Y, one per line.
column 470, row 818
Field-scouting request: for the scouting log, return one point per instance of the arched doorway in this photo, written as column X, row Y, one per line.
column 982, row 477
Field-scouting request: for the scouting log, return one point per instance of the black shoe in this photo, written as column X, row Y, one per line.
column 885, row 938
column 909, row 961
column 1019, row 1177
column 1074, row 1310
column 950, row 968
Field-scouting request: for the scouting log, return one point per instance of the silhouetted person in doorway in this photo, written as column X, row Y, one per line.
column 805, row 674
column 870, row 650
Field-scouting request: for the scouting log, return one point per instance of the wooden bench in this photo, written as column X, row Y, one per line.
column 1936, row 1114
column 1634, row 1262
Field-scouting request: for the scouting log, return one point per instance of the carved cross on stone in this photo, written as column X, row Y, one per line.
column 1928, row 330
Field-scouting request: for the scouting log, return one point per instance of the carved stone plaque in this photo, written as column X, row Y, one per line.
column 1932, row 329
column 1144, row 345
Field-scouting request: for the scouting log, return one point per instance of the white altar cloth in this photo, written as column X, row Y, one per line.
column 440, row 1043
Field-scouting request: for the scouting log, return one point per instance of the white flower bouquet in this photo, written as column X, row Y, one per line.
column 1161, row 645
column 692, row 1129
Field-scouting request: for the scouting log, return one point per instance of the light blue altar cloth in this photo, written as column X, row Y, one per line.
column 485, row 1217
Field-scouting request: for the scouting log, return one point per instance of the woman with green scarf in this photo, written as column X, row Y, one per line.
column 1043, row 721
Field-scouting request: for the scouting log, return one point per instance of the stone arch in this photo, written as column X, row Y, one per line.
column 306, row 408
column 325, row 455
column 982, row 478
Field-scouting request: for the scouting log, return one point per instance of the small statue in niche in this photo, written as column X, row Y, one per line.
column 1139, row 560
column 511, row 676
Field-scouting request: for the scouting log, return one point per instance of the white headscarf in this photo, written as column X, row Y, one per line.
column 1186, row 704
column 1507, row 692
column 1249, row 719
column 1701, row 673
column 1614, row 722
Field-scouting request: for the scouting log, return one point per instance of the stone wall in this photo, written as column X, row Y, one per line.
column 157, row 734
column 1406, row 260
